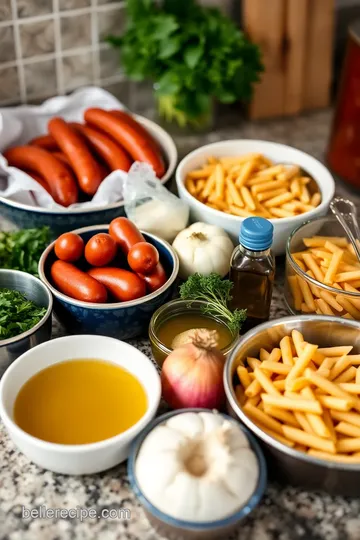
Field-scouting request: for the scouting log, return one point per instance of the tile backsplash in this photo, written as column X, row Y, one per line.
column 50, row 47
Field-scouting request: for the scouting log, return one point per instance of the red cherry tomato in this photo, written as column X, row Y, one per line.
column 69, row 247
column 143, row 258
column 100, row 249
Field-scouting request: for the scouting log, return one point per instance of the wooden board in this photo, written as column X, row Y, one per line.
column 264, row 22
column 295, row 54
column 319, row 58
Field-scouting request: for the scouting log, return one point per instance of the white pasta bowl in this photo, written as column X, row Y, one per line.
column 78, row 458
column 279, row 153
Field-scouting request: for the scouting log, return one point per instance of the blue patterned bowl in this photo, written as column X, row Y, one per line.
column 123, row 320
column 25, row 216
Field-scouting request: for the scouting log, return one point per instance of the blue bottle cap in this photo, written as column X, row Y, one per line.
column 256, row 234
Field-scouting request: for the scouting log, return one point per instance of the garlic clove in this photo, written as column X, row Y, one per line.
column 216, row 497
column 157, row 472
column 189, row 424
column 163, row 437
column 236, row 440
column 211, row 421
column 183, row 496
column 241, row 480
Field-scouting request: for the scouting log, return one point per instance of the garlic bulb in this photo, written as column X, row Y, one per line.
column 204, row 249
column 197, row 467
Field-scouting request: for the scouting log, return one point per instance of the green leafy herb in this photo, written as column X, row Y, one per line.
column 17, row 313
column 21, row 250
column 192, row 53
column 216, row 292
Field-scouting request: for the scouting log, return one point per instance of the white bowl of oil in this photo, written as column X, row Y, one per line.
column 73, row 405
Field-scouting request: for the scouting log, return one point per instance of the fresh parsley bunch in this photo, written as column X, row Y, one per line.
column 216, row 292
column 17, row 313
column 21, row 250
column 192, row 53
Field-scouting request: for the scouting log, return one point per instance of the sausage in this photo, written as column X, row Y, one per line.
column 82, row 162
column 121, row 284
column 100, row 249
column 45, row 141
column 125, row 233
column 62, row 158
column 134, row 142
column 156, row 279
column 129, row 119
column 143, row 258
column 69, row 247
column 40, row 180
column 61, row 181
column 108, row 150
column 76, row 283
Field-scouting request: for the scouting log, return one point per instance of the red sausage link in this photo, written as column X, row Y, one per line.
column 125, row 233
column 61, row 182
column 130, row 138
column 121, row 284
column 143, row 258
column 84, row 165
column 62, row 158
column 156, row 279
column 76, row 283
column 39, row 179
column 129, row 119
column 107, row 149
column 45, row 141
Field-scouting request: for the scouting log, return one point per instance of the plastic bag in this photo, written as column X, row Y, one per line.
column 151, row 206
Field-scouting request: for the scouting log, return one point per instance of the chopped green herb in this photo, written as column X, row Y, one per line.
column 21, row 250
column 216, row 292
column 17, row 313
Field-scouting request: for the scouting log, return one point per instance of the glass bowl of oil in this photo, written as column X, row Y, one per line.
column 178, row 316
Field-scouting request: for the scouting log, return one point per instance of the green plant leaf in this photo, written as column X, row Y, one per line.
column 168, row 48
column 193, row 54
column 164, row 26
column 168, row 84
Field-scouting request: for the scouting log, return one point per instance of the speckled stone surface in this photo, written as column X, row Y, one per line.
column 285, row 513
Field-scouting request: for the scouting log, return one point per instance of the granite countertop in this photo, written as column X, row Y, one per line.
column 285, row 513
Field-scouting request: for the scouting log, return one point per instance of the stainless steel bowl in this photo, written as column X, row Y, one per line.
column 36, row 291
column 285, row 463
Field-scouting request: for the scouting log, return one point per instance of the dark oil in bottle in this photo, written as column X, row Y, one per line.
column 252, row 271
column 253, row 279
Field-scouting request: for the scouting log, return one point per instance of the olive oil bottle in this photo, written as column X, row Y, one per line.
column 252, row 271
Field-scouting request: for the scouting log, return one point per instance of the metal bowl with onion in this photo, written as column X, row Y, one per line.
column 38, row 293
column 289, row 465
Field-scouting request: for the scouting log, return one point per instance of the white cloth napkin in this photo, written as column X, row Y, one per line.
column 18, row 125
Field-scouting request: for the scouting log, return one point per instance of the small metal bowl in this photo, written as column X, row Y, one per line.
column 177, row 529
column 36, row 291
column 289, row 465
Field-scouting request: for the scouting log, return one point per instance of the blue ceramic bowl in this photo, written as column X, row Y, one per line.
column 25, row 216
column 172, row 528
column 123, row 320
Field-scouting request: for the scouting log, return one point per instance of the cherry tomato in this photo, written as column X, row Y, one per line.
column 143, row 258
column 100, row 249
column 69, row 247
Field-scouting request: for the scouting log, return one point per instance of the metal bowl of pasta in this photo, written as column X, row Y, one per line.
column 295, row 383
